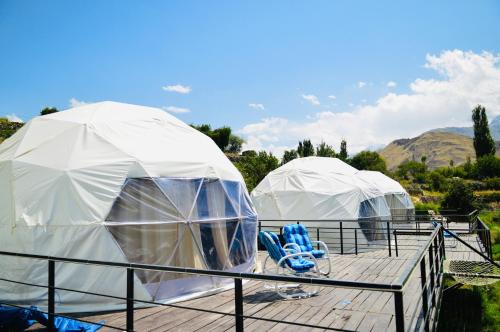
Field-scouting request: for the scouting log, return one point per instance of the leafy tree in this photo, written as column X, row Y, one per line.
column 8, row 128
column 255, row 166
column 459, row 197
column 437, row 181
column 288, row 155
column 48, row 110
column 235, row 144
column 412, row 169
column 325, row 150
column 487, row 167
column 369, row 160
column 423, row 159
column 222, row 136
column 343, row 150
column 305, row 148
column 483, row 142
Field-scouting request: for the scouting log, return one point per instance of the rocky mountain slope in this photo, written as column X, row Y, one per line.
column 439, row 147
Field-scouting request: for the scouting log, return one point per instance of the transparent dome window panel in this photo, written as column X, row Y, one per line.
column 200, row 223
column 181, row 192
column 213, row 202
column 372, row 212
column 141, row 200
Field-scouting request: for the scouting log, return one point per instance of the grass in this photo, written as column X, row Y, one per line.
column 470, row 308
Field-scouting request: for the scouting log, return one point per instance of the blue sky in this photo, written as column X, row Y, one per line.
column 276, row 54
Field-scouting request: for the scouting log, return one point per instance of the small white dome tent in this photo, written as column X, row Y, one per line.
column 318, row 188
column 397, row 198
column 119, row 182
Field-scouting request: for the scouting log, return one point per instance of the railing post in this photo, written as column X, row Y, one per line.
column 356, row 240
column 341, row 239
column 130, row 299
column 432, row 274
column 51, row 299
column 317, row 237
column 425, row 299
column 399, row 311
column 436, row 260
column 238, row 304
column 396, row 243
column 389, row 238
column 260, row 226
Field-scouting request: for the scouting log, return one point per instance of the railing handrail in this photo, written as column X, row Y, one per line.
column 218, row 273
column 403, row 279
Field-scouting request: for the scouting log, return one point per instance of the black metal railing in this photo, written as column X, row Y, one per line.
column 483, row 231
column 349, row 237
column 433, row 247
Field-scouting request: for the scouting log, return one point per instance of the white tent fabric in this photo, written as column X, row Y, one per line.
column 318, row 188
column 119, row 182
column 397, row 198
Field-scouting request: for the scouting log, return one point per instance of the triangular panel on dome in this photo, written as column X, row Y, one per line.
column 141, row 200
column 181, row 192
column 212, row 202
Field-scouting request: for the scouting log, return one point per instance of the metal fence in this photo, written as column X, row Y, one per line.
column 427, row 265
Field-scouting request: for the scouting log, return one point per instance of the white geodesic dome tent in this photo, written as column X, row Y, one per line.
column 397, row 198
column 321, row 189
column 118, row 182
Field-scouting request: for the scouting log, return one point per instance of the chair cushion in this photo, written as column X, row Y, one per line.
column 318, row 253
column 301, row 265
column 297, row 233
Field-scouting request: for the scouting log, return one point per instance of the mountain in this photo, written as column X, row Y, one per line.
column 467, row 131
column 439, row 147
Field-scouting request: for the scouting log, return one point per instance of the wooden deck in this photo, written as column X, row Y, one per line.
column 340, row 308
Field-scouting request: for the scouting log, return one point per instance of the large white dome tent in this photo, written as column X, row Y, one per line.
column 125, row 183
column 324, row 190
column 397, row 198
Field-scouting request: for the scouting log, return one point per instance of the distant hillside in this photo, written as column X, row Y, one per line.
column 439, row 148
column 467, row 131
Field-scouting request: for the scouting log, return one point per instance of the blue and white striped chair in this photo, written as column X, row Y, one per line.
column 297, row 237
column 290, row 262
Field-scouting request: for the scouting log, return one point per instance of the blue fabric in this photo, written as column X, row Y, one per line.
column 18, row 319
column 297, row 233
column 318, row 253
column 277, row 252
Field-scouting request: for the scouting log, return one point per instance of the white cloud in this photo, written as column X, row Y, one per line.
column 179, row 88
column 13, row 118
column 361, row 84
column 332, row 97
column 312, row 99
column 256, row 106
column 175, row 109
column 73, row 102
column 467, row 79
column 391, row 84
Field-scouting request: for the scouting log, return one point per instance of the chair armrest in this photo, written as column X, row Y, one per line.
column 295, row 246
column 323, row 244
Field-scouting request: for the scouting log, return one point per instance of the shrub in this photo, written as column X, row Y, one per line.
column 487, row 167
column 459, row 197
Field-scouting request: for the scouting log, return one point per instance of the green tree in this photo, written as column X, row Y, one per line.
column 459, row 197
column 343, row 150
column 288, row 155
column 483, row 142
column 8, row 128
column 222, row 136
column 413, row 170
column 487, row 167
column 305, row 148
column 235, row 144
column 255, row 166
column 369, row 160
column 325, row 150
column 48, row 110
